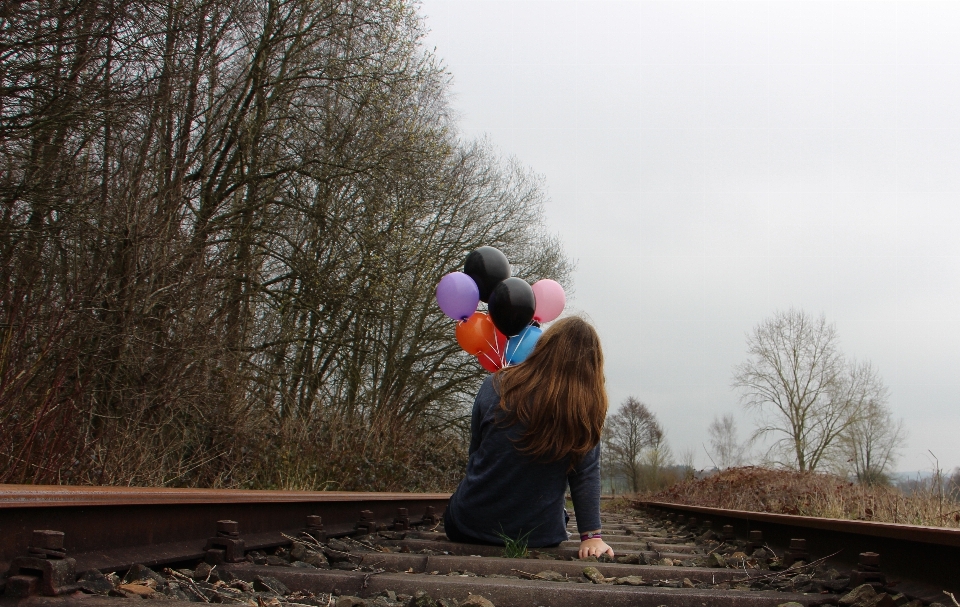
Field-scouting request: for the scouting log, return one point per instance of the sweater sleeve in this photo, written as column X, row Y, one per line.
column 475, row 427
column 585, row 491
column 479, row 410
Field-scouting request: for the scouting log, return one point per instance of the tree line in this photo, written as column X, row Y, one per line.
column 222, row 223
column 818, row 410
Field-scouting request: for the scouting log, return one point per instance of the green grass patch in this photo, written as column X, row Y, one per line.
column 514, row 548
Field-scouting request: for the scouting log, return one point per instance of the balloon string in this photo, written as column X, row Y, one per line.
column 498, row 361
column 494, row 346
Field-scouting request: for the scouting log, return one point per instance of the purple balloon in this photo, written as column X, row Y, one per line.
column 458, row 295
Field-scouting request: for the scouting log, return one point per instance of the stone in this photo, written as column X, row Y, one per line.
column 335, row 544
column 344, row 566
column 265, row 583
column 593, row 574
column 447, row 603
column 790, row 604
column 350, row 601
column 551, row 576
column 174, row 591
column 835, row 586
column 276, row 561
column 298, row 551
column 317, row 560
column 303, row 565
column 665, row 562
column 139, row 573
column 881, row 600
column 421, row 599
column 629, row 580
column 858, row 595
column 202, row 571
column 94, row 582
column 629, row 559
column 687, row 583
column 475, row 600
column 717, row 561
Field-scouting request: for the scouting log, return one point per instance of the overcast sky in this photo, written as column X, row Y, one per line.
column 710, row 163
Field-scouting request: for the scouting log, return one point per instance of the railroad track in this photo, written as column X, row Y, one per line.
column 292, row 549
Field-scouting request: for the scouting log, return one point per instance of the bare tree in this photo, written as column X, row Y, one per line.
column 806, row 395
column 629, row 435
column 221, row 223
column 727, row 448
column 655, row 464
column 872, row 442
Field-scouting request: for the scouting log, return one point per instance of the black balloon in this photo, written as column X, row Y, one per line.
column 512, row 304
column 487, row 266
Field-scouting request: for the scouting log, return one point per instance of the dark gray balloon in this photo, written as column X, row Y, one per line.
column 487, row 266
column 511, row 306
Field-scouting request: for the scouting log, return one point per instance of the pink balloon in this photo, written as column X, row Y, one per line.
column 550, row 300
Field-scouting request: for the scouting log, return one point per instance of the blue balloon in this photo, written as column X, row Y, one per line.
column 521, row 345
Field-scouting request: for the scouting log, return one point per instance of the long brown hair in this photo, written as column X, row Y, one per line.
column 558, row 393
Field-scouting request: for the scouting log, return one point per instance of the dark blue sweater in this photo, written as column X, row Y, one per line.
column 509, row 492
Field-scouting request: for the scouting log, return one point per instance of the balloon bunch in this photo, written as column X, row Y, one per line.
column 507, row 335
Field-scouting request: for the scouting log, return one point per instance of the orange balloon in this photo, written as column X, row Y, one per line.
column 476, row 333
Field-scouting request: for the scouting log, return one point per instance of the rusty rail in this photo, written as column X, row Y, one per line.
column 114, row 527
column 918, row 555
column 111, row 529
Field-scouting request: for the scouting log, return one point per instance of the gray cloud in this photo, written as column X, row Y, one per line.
column 711, row 162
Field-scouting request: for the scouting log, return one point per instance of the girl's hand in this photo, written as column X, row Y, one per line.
column 594, row 547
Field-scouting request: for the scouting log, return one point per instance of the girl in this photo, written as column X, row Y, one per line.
column 535, row 428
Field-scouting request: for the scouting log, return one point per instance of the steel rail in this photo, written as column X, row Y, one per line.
column 111, row 528
column 116, row 526
column 918, row 555
column 55, row 496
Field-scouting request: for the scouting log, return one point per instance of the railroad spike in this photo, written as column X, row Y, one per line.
column 226, row 546
column 45, row 570
column 402, row 520
column 366, row 525
column 228, row 529
column 755, row 542
column 868, row 571
column 430, row 516
column 796, row 552
column 315, row 528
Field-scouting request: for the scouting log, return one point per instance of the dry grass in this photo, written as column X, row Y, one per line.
column 813, row 494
